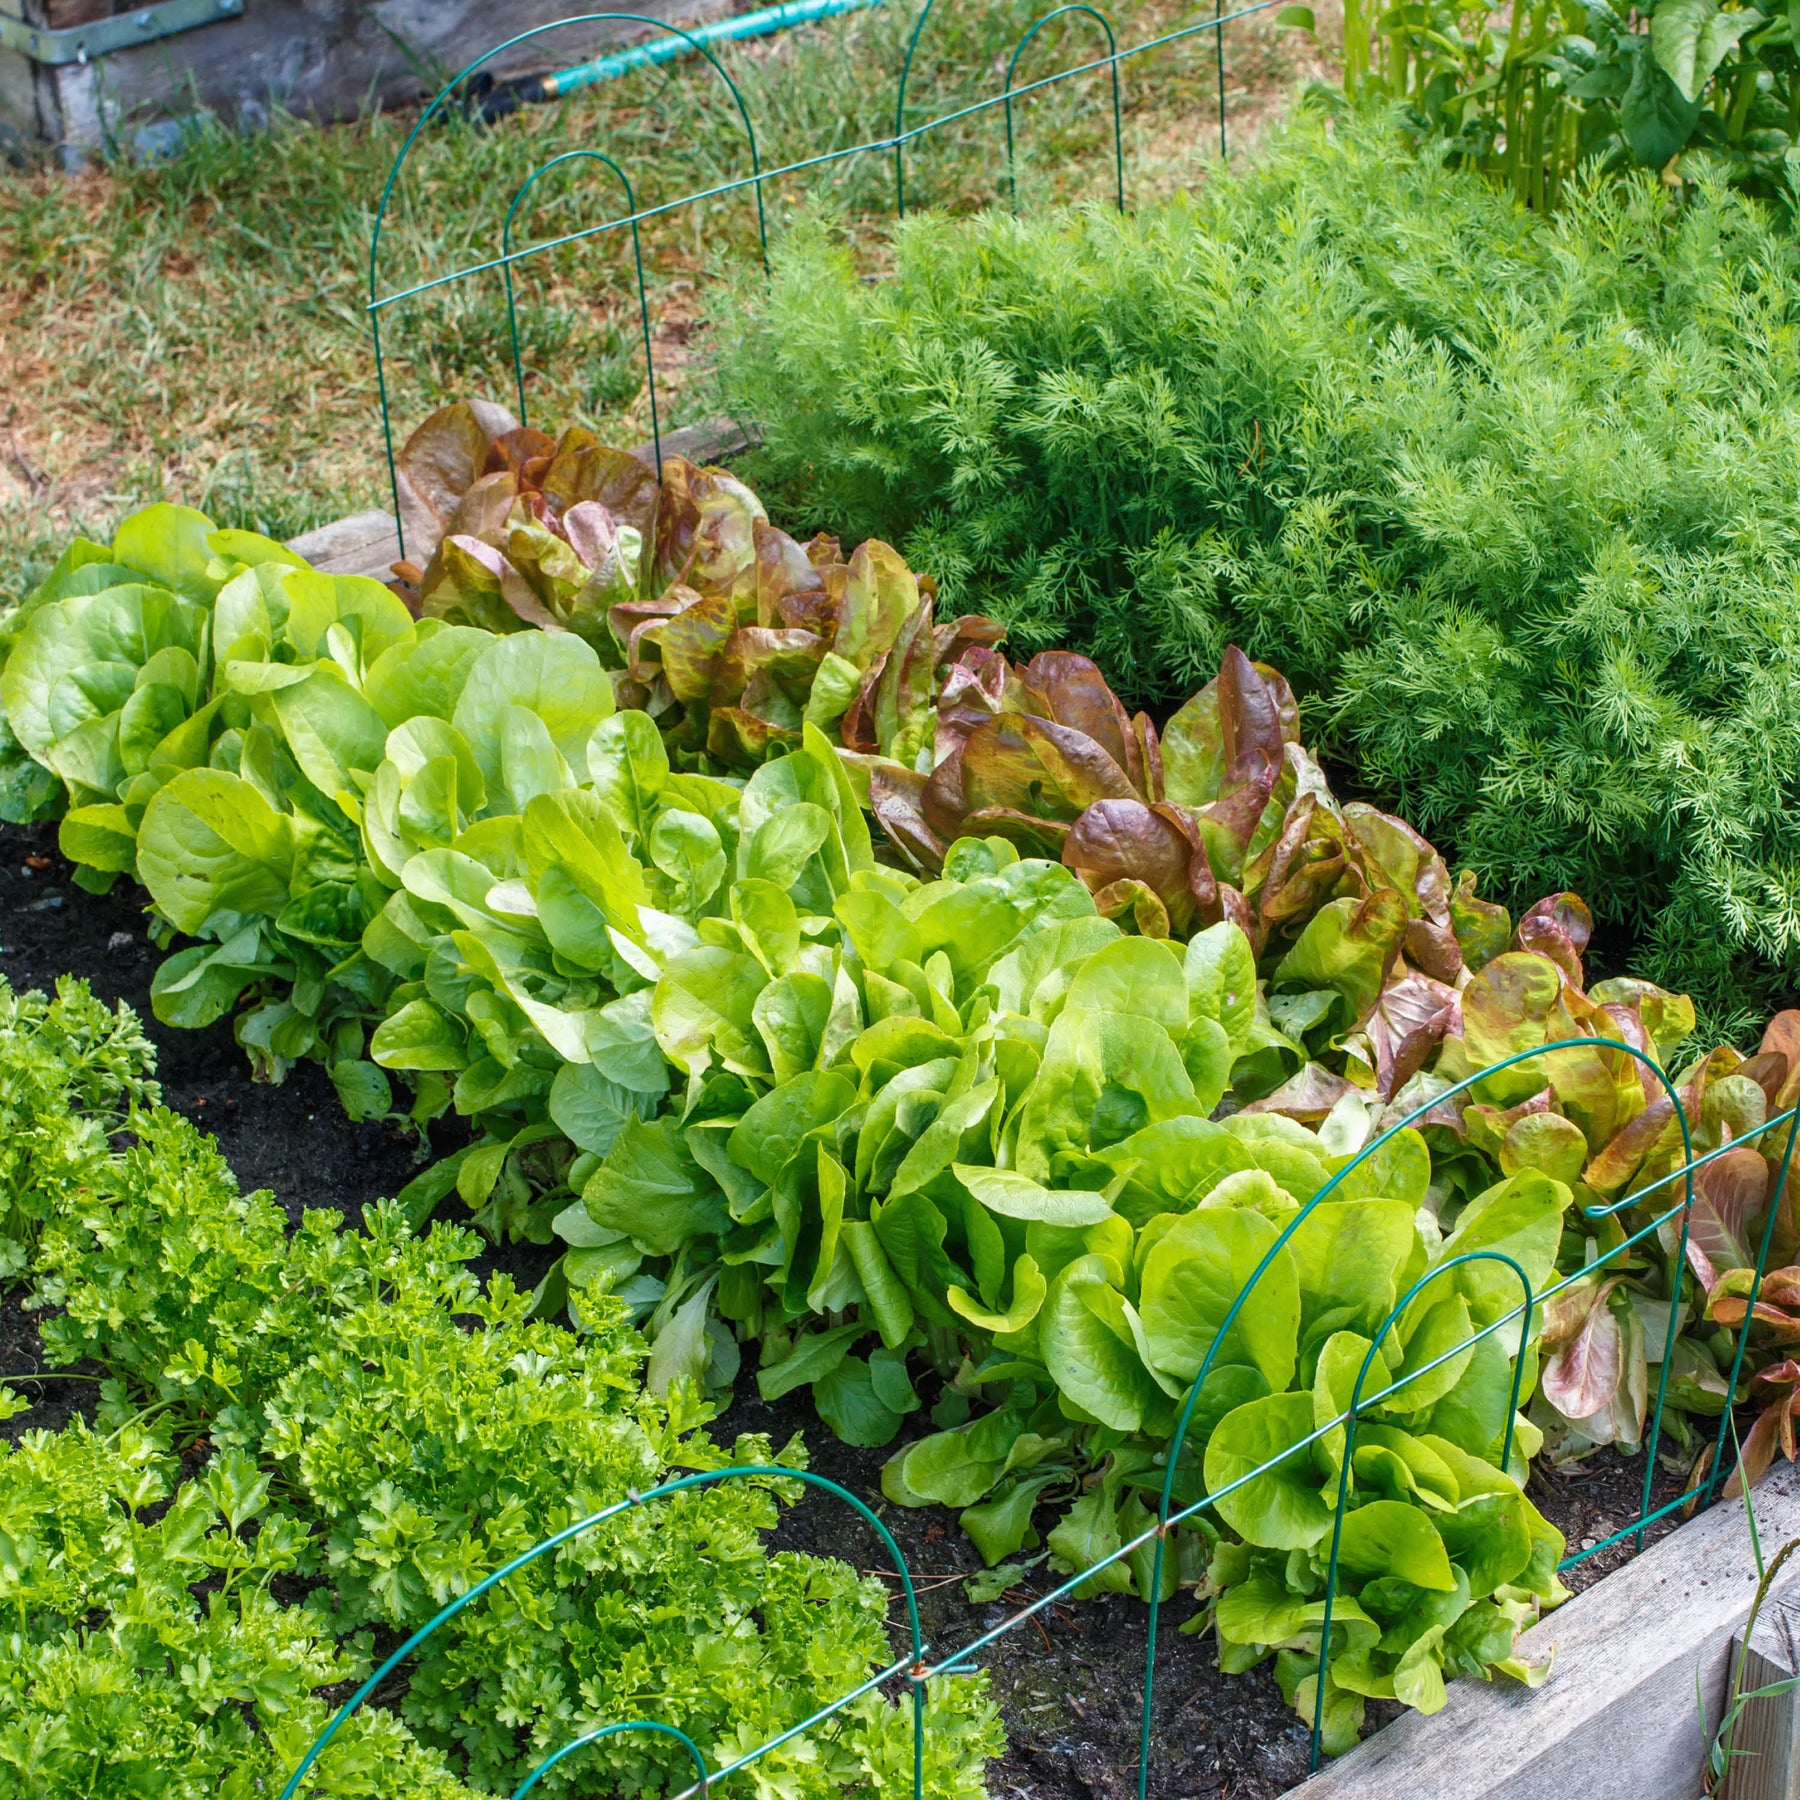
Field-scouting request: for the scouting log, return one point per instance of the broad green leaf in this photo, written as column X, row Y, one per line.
column 169, row 545
column 418, row 1036
column 1028, row 1291
column 1195, row 1273
column 1282, row 1507
column 1017, row 1196
column 1390, row 1538
column 1137, row 977
column 209, row 843
column 813, row 1357
column 1350, row 1257
column 1690, row 38
column 554, row 675
column 651, row 1188
column 1520, row 1219
column 629, row 768
column 1089, row 1362
column 590, row 1109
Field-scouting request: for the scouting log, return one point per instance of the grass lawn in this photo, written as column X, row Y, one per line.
column 195, row 330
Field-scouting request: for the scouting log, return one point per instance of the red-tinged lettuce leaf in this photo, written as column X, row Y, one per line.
column 1297, row 872
column 1667, row 1019
column 1482, row 929
column 896, row 797
column 1391, row 854
column 693, row 646
column 1149, row 750
column 464, row 584
column 784, row 573
column 1125, row 840
column 1777, row 1302
column 973, row 692
column 1782, row 1038
column 1620, row 1159
column 439, row 463
column 1558, row 927
column 705, row 531
column 1229, row 735
column 1032, row 836
column 1137, row 902
column 788, row 658
column 484, row 510
column 1411, row 1018
column 880, row 594
column 967, row 631
column 1729, row 1193
column 1078, row 695
column 1308, row 1096
column 1036, row 767
column 1433, row 948
column 636, row 625
column 1778, row 1387
column 522, row 448
column 1582, row 1376
column 584, row 470
column 741, row 740
column 902, row 699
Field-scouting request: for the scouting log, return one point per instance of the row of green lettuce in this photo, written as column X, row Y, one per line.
column 305, row 1442
column 946, row 1118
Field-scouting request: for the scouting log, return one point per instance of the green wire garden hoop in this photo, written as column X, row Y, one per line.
column 378, row 303
column 606, row 1731
column 637, row 253
column 912, row 1668
column 1112, row 57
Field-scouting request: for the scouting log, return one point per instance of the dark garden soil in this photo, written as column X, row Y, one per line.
column 1069, row 1682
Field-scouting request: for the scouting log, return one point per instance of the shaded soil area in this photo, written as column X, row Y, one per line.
column 292, row 1139
column 1069, row 1680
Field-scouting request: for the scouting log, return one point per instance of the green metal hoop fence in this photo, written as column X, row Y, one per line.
column 380, row 303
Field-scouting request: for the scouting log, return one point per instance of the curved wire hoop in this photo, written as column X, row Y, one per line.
column 1357, row 1401
column 451, row 87
column 637, row 252
column 912, row 1668
column 606, row 1731
column 1112, row 54
column 912, row 44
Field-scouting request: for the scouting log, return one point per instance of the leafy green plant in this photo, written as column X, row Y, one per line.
column 369, row 1442
column 1525, row 570
column 724, row 629
column 1530, row 98
column 118, row 1679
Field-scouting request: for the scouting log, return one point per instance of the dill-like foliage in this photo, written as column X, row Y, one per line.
column 1514, row 501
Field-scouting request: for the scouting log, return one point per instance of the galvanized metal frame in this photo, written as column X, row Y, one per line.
column 56, row 46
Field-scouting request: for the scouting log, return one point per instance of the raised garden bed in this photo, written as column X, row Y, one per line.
column 1068, row 1688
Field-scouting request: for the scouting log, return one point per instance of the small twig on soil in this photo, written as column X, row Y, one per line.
column 39, row 482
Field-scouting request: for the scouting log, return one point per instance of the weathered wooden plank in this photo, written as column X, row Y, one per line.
column 323, row 59
column 712, row 440
column 1618, row 1718
column 1766, row 1743
column 366, row 543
